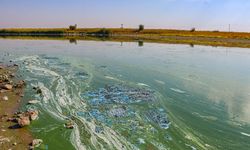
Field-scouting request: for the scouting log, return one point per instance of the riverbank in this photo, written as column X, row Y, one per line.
column 11, row 136
column 192, row 37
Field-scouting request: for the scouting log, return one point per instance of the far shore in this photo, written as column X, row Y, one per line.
column 191, row 37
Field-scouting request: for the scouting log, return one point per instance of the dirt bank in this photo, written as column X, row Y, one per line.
column 11, row 136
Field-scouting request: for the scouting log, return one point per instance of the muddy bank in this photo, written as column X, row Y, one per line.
column 12, row 136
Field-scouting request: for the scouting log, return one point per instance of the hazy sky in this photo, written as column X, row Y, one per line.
column 181, row 14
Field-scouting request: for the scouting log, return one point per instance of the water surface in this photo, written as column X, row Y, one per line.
column 158, row 96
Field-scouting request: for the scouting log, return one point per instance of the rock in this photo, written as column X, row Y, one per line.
column 7, row 87
column 12, row 75
column 36, row 143
column 11, row 119
column 33, row 102
column 33, row 114
column 4, row 139
column 20, row 84
column 16, row 65
column 24, row 118
column 1, row 67
column 14, row 144
column 23, row 121
column 69, row 125
column 5, row 98
column 4, row 78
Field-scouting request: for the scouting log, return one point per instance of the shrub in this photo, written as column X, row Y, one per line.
column 103, row 32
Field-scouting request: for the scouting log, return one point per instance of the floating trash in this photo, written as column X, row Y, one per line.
column 119, row 94
column 82, row 74
column 98, row 115
column 130, row 111
column 99, row 129
column 117, row 112
column 159, row 118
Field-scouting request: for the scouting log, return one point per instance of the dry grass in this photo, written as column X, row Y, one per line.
column 214, row 38
column 146, row 32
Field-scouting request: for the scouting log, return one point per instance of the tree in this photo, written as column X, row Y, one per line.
column 73, row 27
column 192, row 30
column 141, row 27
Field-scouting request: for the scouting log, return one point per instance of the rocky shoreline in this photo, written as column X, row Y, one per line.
column 14, row 133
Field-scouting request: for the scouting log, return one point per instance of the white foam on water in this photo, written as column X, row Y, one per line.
column 192, row 147
column 111, row 78
column 75, row 139
column 246, row 134
column 160, row 82
column 109, row 136
column 142, row 84
column 177, row 90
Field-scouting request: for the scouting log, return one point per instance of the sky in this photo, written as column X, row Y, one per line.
column 173, row 14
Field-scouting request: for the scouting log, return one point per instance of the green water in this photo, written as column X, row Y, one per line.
column 202, row 91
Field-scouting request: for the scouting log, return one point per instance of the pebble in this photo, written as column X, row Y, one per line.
column 24, row 121
column 33, row 114
column 36, row 143
column 12, row 75
column 69, row 125
column 5, row 98
column 7, row 87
